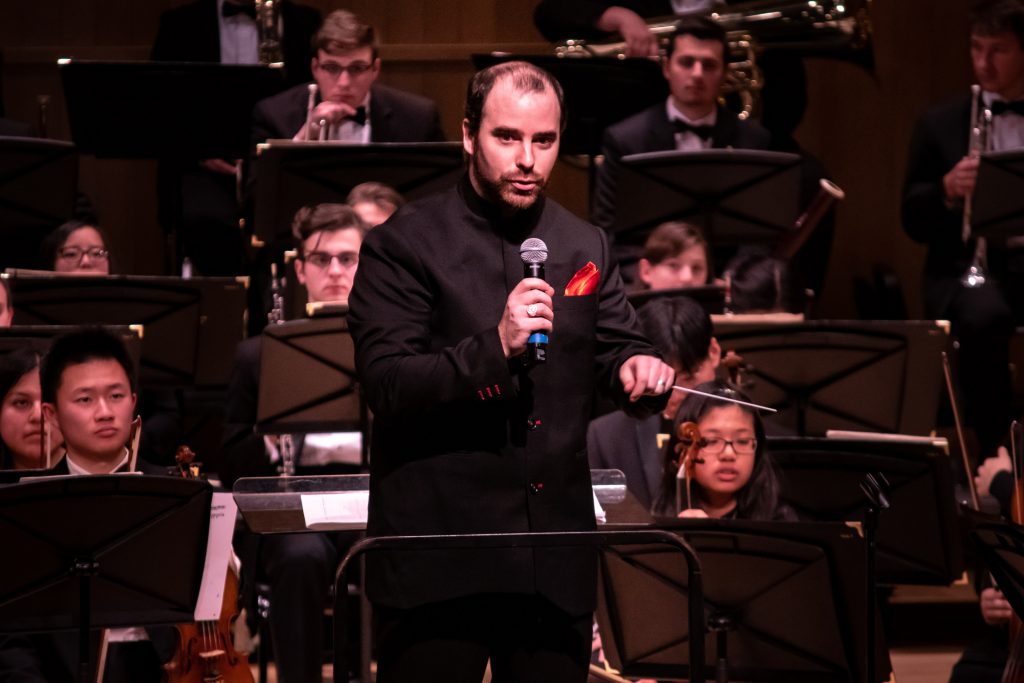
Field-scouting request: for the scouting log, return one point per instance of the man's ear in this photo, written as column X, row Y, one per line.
column 645, row 271
column 135, row 402
column 468, row 143
column 375, row 68
column 714, row 353
column 49, row 413
column 300, row 271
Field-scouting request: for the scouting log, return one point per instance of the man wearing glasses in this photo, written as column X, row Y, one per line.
column 299, row 567
column 350, row 105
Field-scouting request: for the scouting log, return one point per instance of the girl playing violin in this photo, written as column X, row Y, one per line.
column 732, row 476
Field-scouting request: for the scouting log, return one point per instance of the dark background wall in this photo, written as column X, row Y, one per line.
column 857, row 123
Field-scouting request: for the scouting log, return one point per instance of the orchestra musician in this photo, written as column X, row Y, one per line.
column 470, row 435
column 374, row 202
column 940, row 176
column 76, row 248
column 675, row 255
column 23, row 433
column 299, row 567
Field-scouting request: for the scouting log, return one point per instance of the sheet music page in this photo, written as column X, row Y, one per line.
column 335, row 511
column 218, row 551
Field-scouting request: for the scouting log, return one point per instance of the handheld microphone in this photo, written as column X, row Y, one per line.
column 534, row 253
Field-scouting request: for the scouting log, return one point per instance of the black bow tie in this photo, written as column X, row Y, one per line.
column 359, row 117
column 1002, row 106
column 230, row 9
column 703, row 132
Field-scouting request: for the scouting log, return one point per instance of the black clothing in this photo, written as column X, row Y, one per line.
column 617, row 441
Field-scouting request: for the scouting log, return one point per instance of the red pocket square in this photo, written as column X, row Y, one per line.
column 584, row 281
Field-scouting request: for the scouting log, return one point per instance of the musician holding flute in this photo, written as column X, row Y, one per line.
column 941, row 172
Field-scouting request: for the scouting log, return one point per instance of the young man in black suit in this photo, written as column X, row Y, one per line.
column 940, row 175
column 350, row 104
column 469, row 435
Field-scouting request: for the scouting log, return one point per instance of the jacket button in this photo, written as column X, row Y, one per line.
column 536, row 488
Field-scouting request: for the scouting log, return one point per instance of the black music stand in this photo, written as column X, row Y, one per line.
column 290, row 175
column 39, row 337
column 782, row 602
column 997, row 208
column 918, row 538
column 1000, row 544
column 191, row 326
column 599, row 91
column 710, row 297
column 308, row 379
column 193, row 110
column 103, row 551
column 880, row 376
column 736, row 196
column 38, row 183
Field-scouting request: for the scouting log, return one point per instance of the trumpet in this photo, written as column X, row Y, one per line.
column 980, row 126
column 322, row 124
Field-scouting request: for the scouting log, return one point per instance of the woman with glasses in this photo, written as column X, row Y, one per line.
column 77, row 248
column 735, row 477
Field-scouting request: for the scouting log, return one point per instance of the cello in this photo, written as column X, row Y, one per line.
column 206, row 652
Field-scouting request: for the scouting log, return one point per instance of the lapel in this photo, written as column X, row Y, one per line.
column 724, row 133
column 380, row 117
column 207, row 32
column 660, row 133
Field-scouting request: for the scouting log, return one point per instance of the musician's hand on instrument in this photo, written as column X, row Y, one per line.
column 640, row 42
column 959, row 182
column 989, row 468
column 693, row 513
column 528, row 309
column 221, row 166
column 646, row 376
column 995, row 609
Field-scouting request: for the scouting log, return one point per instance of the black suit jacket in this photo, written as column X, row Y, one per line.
column 465, row 440
column 620, row 442
column 651, row 131
column 191, row 33
column 395, row 116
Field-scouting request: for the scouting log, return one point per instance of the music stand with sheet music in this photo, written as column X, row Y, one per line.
column 598, row 92
column 192, row 326
column 192, row 109
column 39, row 337
column 290, row 175
column 997, row 207
column 102, row 551
column 736, row 196
column 879, row 376
column 710, row 297
column 38, row 184
column 918, row 537
column 784, row 601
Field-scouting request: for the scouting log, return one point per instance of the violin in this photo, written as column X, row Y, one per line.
column 206, row 652
column 687, row 448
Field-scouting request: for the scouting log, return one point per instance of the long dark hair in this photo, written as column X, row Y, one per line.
column 14, row 366
column 759, row 498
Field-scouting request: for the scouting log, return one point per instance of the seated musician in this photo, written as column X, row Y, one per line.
column 76, row 247
column 350, row 104
column 23, row 432
column 681, row 330
column 941, row 174
column 735, row 477
column 299, row 567
column 374, row 202
column 675, row 255
column 6, row 304
column 761, row 283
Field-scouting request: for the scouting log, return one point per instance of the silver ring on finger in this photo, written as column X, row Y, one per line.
column 531, row 310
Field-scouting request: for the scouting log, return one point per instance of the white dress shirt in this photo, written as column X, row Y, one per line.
column 239, row 38
column 687, row 141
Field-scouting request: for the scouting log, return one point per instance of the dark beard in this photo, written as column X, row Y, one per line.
column 501, row 192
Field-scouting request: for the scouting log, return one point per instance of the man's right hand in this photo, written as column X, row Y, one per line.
column 959, row 182
column 516, row 325
column 995, row 609
column 989, row 468
column 332, row 113
column 640, row 42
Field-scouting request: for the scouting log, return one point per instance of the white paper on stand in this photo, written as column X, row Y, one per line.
column 218, row 551
column 334, row 511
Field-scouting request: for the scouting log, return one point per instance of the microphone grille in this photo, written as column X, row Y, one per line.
column 533, row 250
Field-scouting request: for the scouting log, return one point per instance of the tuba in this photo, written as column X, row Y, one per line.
column 814, row 28
column 268, row 18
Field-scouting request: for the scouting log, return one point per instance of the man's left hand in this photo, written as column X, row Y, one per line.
column 646, row 376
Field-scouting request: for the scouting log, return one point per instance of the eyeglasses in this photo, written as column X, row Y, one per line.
column 354, row 70
column 715, row 445
column 323, row 260
column 76, row 253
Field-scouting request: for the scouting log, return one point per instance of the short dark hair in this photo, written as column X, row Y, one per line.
column 525, row 78
column 325, row 218
column 701, row 28
column 379, row 194
column 759, row 497
column 55, row 241
column 992, row 17
column 343, row 31
column 671, row 239
column 759, row 282
column 81, row 346
column 680, row 328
